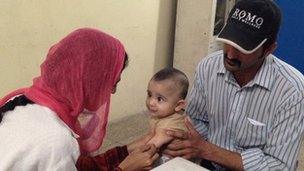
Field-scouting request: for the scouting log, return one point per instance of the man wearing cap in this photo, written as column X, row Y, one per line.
column 246, row 105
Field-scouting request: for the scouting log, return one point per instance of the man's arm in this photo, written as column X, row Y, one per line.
column 280, row 152
column 191, row 145
column 196, row 108
column 283, row 139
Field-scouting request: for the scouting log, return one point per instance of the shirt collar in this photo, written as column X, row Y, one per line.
column 221, row 69
column 263, row 78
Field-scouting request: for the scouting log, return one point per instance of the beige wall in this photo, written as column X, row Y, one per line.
column 194, row 33
column 29, row 27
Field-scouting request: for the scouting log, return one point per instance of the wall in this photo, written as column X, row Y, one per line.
column 194, row 30
column 29, row 28
column 290, row 40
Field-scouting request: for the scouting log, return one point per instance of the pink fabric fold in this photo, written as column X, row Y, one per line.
column 79, row 73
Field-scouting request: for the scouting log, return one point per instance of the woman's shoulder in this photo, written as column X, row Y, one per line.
column 34, row 133
column 34, row 122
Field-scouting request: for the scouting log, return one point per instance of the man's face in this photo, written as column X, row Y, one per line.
column 235, row 61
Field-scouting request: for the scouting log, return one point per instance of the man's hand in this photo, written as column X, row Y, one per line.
column 191, row 145
column 186, row 144
column 141, row 158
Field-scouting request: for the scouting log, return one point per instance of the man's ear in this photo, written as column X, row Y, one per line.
column 271, row 48
column 181, row 104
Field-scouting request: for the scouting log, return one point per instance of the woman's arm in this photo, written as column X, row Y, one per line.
column 106, row 161
column 135, row 156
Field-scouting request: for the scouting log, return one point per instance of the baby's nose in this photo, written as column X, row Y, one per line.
column 152, row 102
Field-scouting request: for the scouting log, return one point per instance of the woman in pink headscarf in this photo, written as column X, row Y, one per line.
column 41, row 129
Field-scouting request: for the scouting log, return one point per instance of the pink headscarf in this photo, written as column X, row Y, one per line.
column 79, row 73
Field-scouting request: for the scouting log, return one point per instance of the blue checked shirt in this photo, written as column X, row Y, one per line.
column 263, row 120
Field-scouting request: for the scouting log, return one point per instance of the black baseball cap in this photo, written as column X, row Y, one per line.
column 250, row 24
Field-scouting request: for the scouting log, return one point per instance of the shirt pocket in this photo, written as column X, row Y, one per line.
column 251, row 135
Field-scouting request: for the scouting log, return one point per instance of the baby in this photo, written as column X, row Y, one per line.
column 165, row 101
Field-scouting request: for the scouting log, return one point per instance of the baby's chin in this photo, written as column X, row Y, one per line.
column 153, row 114
column 157, row 115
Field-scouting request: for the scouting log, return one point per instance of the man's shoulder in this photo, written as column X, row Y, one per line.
column 211, row 63
column 290, row 74
column 212, row 60
column 214, row 57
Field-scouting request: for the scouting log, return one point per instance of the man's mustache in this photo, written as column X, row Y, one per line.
column 234, row 61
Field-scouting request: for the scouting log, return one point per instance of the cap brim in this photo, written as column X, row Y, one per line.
column 245, row 42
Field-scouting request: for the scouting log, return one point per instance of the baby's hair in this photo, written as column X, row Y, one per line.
column 177, row 76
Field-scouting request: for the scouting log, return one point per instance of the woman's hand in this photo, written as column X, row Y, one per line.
column 141, row 158
column 140, row 142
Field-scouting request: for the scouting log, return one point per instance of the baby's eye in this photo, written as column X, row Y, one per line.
column 148, row 94
column 160, row 99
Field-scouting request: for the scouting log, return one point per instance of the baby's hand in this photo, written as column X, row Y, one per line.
column 160, row 138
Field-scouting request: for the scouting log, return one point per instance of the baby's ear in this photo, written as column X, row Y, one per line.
column 180, row 105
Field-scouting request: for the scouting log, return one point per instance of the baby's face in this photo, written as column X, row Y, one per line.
column 162, row 98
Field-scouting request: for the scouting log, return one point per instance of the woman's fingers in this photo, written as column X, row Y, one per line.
column 150, row 156
column 155, row 156
column 149, row 149
column 151, row 161
column 143, row 148
column 152, row 150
